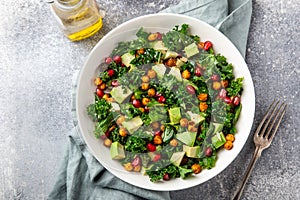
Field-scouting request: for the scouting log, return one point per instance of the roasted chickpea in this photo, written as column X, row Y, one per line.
column 128, row 166
column 111, row 128
column 203, row 96
column 224, row 83
column 120, row 120
column 102, row 86
column 123, row 132
column 142, row 109
column 145, row 79
column 132, row 97
column 107, row 142
column 173, row 142
column 151, row 73
column 230, row 137
column 200, row 45
column 145, row 86
column 203, row 106
column 157, row 139
column 155, row 125
column 184, row 122
column 171, row 62
column 141, row 51
column 162, row 127
column 106, row 96
column 152, row 37
column 186, row 74
column 137, row 168
column 196, row 168
column 145, row 101
column 98, row 81
column 216, row 85
column 151, row 92
column 228, row 145
column 192, row 128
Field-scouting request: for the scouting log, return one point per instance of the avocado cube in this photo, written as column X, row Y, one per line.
column 127, row 58
column 120, row 93
column 192, row 152
column 191, row 50
column 160, row 70
column 196, row 117
column 171, row 54
column 174, row 115
column 133, row 124
column 176, row 73
column 177, row 157
column 117, row 151
column 187, row 138
column 218, row 140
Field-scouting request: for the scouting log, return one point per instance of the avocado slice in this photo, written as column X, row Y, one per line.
column 218, row 140
column 117, row 151
column 120, row 93
column 192, row 152
column 177, row 157
column 196, row 117
column 191, row 50
column 160, row 70
column 174, row 115
column 176, row 73
column 133, row 124
column 187, row 138
column 127, row 58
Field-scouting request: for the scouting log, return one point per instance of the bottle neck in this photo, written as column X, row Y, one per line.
column 68, row 4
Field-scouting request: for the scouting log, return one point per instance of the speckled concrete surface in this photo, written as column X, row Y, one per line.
column 36, row 67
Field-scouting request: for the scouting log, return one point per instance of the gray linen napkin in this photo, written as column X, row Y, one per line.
column 81, row 176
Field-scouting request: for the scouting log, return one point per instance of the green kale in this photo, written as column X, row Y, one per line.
column 235, row 87
column 156, row 175
column 135, row 144
column 142, row 34
column 149, row 56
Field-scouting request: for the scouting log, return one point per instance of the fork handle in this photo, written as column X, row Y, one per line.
column 256, row 155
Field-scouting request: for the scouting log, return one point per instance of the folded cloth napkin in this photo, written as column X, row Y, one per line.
column 81, row 176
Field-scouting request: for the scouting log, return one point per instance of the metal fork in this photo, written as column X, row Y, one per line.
column 263, row 138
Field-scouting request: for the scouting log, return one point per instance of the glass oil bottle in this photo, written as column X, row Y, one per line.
column 78, row 19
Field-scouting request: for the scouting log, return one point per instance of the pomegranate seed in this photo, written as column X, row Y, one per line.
column 156, row 158
column 99, row 93
column 117, row 59
column 228, row 100
column 159, row 133
column 161, row 99
column 236, row 100
column 207, row 45
column 208, row 151
column 107, row 133
column 146, row 109
column 110, row 72
column 136, row 103
column 108, row 60
column 159, row 36
column 166, row 177
column 190, row 89
column 136, row 161
column 151, row 147
column 197, row 71
column 157, row 95
column 215, row 77
column 115, row 83
column 222, row 93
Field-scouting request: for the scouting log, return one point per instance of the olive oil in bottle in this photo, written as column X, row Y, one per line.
column 78, row 19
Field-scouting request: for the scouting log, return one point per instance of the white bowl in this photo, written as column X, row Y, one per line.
column 154, row 23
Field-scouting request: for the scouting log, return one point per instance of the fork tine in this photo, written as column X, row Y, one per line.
column 278, row 122
column 274, row 120
column 263, row 120
column 262, row 133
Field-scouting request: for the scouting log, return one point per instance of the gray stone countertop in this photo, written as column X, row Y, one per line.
column 37, row 64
